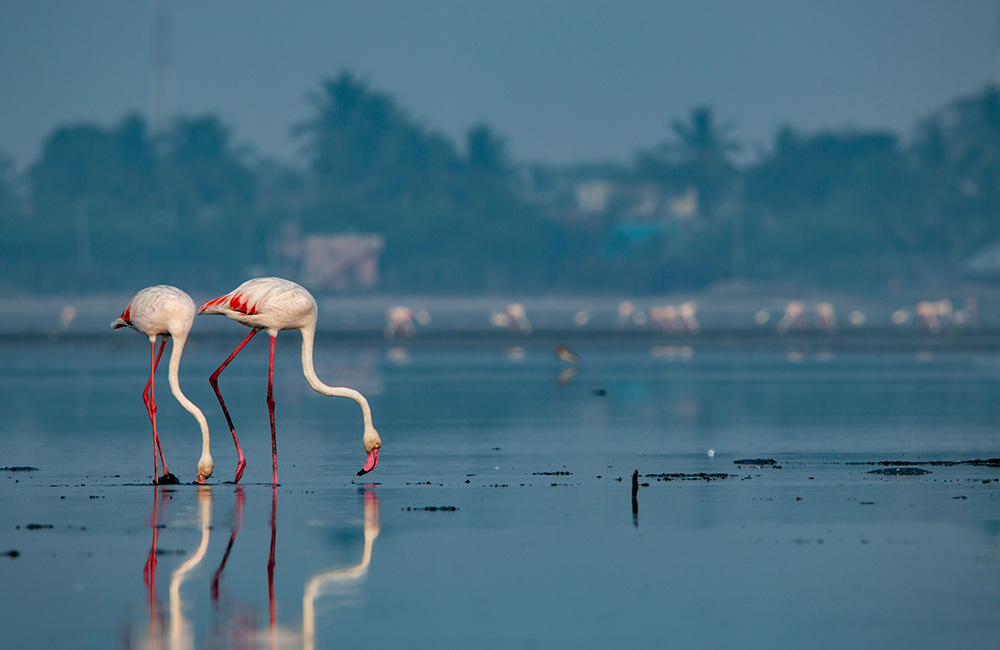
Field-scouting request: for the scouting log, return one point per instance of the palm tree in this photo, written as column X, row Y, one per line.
column 703, row 152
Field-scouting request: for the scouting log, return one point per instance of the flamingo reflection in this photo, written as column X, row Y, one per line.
column 178, row 634
column 339, row 579
column 320, row 584
column 170, row 627
column 237, row 527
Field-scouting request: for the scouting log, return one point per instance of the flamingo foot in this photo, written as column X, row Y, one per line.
column 167, row 479
column 240, row 466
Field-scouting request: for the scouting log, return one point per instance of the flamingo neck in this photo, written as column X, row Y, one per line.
column 308, row 334
column 175, row 388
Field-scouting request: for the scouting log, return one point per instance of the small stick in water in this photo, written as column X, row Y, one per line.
column 635, row 498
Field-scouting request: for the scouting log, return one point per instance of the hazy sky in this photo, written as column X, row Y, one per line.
column 561, row 80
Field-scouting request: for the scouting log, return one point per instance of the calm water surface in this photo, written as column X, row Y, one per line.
column 501, row 513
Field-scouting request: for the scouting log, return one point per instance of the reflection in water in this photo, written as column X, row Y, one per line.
column 566, row 375
column 338, row 579
column 569, row 355
column 173, row 630
column 177, row 634
column 237, row 527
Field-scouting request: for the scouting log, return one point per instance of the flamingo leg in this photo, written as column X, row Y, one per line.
column 270, row 559
column 149, row 399
column 270, row 408
column 156, row 365
column 214, row 380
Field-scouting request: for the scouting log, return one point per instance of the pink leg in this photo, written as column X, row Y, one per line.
column 270, row 408
column 156, row 366
column 149, row 399
column 270, row 559
column 214, row 380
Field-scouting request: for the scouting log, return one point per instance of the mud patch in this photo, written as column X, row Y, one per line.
column 900, row 471
column 702, row 476
column 977, row 462
column 758, row 462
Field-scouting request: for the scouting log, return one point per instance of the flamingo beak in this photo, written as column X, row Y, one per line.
column 370, row 463
column 199, row 480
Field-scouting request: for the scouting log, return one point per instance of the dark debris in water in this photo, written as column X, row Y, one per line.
column 978, row 462
column 701, row 476
column 900, row 471
column 433, row 509
column 19, row 468
column 758, row 462
column 11, row 553
column 551, row 473
column 38, row 526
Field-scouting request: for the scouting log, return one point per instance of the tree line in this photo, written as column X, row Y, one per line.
column 112, row 208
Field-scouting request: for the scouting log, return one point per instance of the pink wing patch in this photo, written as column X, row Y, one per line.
column 127, row 314
column 239, row 303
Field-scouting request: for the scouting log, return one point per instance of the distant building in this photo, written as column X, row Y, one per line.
column 593, row 197
column 341, row 262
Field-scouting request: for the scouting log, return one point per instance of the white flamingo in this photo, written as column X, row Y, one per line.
column 168, row 312
column 274, row 304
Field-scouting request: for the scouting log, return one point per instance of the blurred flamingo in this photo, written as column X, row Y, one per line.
column 399, row 320
column 274, row 304
column 168, row 312
column 794, row 316
column 827, row 317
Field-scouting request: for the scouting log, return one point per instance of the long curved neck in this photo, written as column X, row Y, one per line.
column 308, row 334
column 175, row 388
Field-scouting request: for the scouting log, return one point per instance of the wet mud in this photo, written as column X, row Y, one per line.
column 900, row 471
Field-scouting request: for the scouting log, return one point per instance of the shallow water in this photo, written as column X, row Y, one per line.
column 501, row 513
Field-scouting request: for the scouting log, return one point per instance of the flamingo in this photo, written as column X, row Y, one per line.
column 275, row 304
column 167, row 312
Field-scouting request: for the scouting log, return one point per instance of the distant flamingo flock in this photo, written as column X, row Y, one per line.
column 271, row 304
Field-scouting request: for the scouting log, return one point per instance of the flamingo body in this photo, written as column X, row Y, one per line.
column 271, row 304
column 167, row 312
column 275, row 304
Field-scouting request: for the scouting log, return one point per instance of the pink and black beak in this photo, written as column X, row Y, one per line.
column 370, row 463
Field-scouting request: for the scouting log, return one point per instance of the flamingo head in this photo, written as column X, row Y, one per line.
column 372, row 444
column 205, row 468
